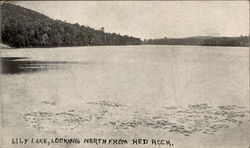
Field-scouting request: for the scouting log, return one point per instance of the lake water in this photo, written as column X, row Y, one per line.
column 196, row 96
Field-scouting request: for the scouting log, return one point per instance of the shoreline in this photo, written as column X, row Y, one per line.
column 3, row 46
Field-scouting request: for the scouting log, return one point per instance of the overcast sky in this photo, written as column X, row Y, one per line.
column 152, row 19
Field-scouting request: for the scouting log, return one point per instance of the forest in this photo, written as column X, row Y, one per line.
column 202, row 41
column 21, row 27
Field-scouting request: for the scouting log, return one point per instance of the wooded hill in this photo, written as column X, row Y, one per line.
column 21, row 27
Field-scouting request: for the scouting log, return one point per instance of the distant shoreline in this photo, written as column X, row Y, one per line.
column 242, row 41
column 3, row 46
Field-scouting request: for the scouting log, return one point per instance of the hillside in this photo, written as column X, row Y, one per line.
column 202, row 41
column 23, row 27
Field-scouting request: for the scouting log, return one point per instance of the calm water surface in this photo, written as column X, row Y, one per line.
column 128, row 92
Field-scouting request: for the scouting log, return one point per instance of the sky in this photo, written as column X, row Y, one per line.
column 152, row 19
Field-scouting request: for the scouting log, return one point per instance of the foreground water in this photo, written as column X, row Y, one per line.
column 196, row 96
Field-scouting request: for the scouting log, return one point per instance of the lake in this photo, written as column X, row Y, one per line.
column 197, row 96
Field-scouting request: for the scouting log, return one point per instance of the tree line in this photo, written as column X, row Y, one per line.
column 23, row 27
column 202, row 41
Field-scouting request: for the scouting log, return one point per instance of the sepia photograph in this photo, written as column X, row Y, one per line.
column 124, row 74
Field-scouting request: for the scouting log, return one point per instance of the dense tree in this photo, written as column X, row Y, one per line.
column 22, row 27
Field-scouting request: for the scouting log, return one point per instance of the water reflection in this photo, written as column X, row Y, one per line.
column 17, row 65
